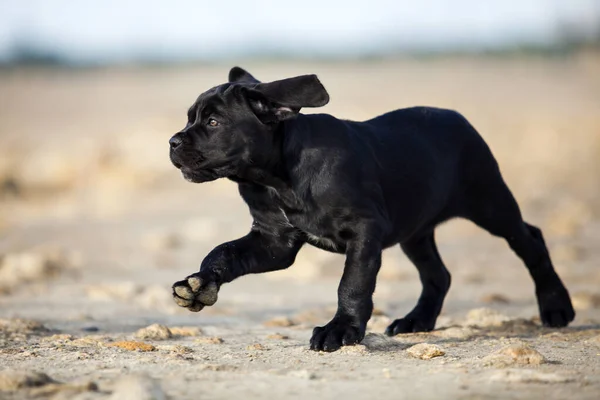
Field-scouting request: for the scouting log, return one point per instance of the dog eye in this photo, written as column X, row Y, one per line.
column 213, row 122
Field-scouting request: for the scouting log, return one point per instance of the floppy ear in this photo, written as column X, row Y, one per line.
column 298, row 92
column 237, row 74
column 283, row 99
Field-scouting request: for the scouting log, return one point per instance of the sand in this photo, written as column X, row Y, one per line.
column 95, row 226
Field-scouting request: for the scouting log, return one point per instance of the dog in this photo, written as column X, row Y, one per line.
column 348, row 187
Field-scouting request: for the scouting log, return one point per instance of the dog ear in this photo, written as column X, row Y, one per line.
column 268, row 111
column 237, row 74
column 300, row 91
column 280, row 100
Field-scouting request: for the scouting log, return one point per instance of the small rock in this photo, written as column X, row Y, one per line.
column 495, row 298
column 154, row 332
column 209, row 340
column 278, row 336
column 585, row 300
column 256, row 346
column 90, row 329
column 137, row 388
column 518, row 353
column 529, row 376
column 282, row 322
column 11, row 380
column 386, row 373
column 425, row 351
column 133, row 345
column 485, row 317
column 186, row 331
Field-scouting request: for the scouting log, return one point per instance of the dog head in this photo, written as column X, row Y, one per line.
column 232, row 126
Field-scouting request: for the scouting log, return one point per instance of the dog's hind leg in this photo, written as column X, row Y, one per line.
column 492, row 206
column 435, row 279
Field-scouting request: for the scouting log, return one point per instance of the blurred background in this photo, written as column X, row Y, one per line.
column 96, row 223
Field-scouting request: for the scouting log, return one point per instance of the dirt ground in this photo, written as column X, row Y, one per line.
column 95, row 226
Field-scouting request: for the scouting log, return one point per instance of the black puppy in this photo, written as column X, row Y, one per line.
column 349, row 187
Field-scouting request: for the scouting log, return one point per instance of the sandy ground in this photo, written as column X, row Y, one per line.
column 95, row 225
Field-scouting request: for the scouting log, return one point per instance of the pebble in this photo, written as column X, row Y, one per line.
column 256, row 346
column 514, row 354
column 154, row 332
column 186, row 331
column 133, row 345
column 209, row 340
column 425, row 351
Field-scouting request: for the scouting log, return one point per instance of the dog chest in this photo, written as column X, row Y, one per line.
column 317, row 240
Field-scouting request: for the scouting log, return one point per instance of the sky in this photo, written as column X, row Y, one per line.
column 88, row 30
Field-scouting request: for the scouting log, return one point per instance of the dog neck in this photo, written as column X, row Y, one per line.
column 271, row 172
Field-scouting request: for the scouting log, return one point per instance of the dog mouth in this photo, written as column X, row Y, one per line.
column 195, row 175
column 198, row 176
column 201, row 170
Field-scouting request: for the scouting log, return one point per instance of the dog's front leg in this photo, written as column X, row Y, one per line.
column 355, row 302
column 254, row 253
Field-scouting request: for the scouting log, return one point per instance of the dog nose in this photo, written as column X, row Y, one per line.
column 175, row 141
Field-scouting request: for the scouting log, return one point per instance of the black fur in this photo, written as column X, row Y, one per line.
column 349, row 187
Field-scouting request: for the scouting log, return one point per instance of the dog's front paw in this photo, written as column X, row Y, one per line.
column 411, row 323
column 556, row 309
column 335, row 335
column 195, row 292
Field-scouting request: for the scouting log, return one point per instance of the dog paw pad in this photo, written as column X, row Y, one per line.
column 194, row 293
